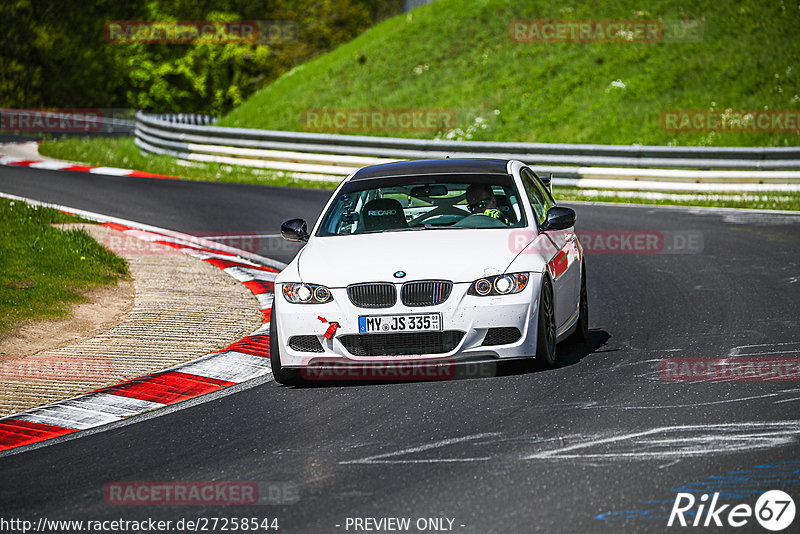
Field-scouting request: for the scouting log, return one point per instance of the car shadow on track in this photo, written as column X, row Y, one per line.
column 570, row 352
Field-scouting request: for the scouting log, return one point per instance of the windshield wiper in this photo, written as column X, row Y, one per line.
column 435, row 227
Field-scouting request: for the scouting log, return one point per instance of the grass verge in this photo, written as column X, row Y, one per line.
column 459, row 55
column 43, row 269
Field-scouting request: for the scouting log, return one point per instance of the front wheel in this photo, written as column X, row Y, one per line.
column 287, row 377
column 546, row 338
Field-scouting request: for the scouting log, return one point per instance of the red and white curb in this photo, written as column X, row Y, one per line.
column 67, row 166
column 240, row 362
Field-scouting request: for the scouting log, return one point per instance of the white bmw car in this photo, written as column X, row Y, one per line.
column 456, row 260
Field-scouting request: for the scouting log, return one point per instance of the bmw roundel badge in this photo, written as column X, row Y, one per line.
column 400, row 274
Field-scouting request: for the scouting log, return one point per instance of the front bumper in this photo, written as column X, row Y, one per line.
column 465, row 317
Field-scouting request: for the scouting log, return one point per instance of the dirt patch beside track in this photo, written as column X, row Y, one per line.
column 176, row 309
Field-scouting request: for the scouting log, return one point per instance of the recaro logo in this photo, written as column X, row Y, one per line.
column 381, row 213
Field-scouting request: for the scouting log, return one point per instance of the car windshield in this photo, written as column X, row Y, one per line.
column 423, row 203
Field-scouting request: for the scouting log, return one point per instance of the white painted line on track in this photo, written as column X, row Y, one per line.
column 50, row 165
column 111, row 171
column 681, row 441
column 384, row 457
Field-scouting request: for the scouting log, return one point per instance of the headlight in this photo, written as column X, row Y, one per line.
column 502, row 284
column 482, row 286
column 298, row 293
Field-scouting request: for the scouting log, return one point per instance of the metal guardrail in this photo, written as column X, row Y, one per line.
column 334, row 154
column 66, row 122
column 186, row 118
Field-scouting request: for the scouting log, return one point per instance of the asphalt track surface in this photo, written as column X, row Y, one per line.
column 601, row 444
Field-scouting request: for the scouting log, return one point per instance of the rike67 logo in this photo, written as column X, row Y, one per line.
column 774, row 510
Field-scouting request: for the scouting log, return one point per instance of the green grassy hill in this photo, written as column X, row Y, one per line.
column 458, row 55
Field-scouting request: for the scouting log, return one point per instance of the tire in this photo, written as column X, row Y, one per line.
column 546, row 338
column 582, row 329
column 287, row 377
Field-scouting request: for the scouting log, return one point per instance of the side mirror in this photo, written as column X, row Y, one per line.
column 559, row 218
column 295, row 230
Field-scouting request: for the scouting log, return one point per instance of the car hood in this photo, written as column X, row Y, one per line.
column 457, row 255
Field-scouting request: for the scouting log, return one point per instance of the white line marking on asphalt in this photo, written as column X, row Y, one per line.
column 786, row 400
column 50, row 165
column 708, row 439
column 738, row 350
column 110, row 171
column 692, row 405
column 381, row 458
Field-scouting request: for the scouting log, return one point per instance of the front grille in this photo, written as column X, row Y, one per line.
column 402, row 344
column 501, row 336
column 425, row 293
column 305, row 344
column 372, row 295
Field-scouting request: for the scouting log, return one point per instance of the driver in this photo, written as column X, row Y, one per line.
column 481, row 201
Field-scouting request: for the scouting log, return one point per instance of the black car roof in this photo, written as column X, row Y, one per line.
column 433, row 166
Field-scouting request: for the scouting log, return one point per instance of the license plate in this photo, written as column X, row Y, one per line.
column 373, row 324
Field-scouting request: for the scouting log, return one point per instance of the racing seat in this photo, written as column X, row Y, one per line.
column 383, row 214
